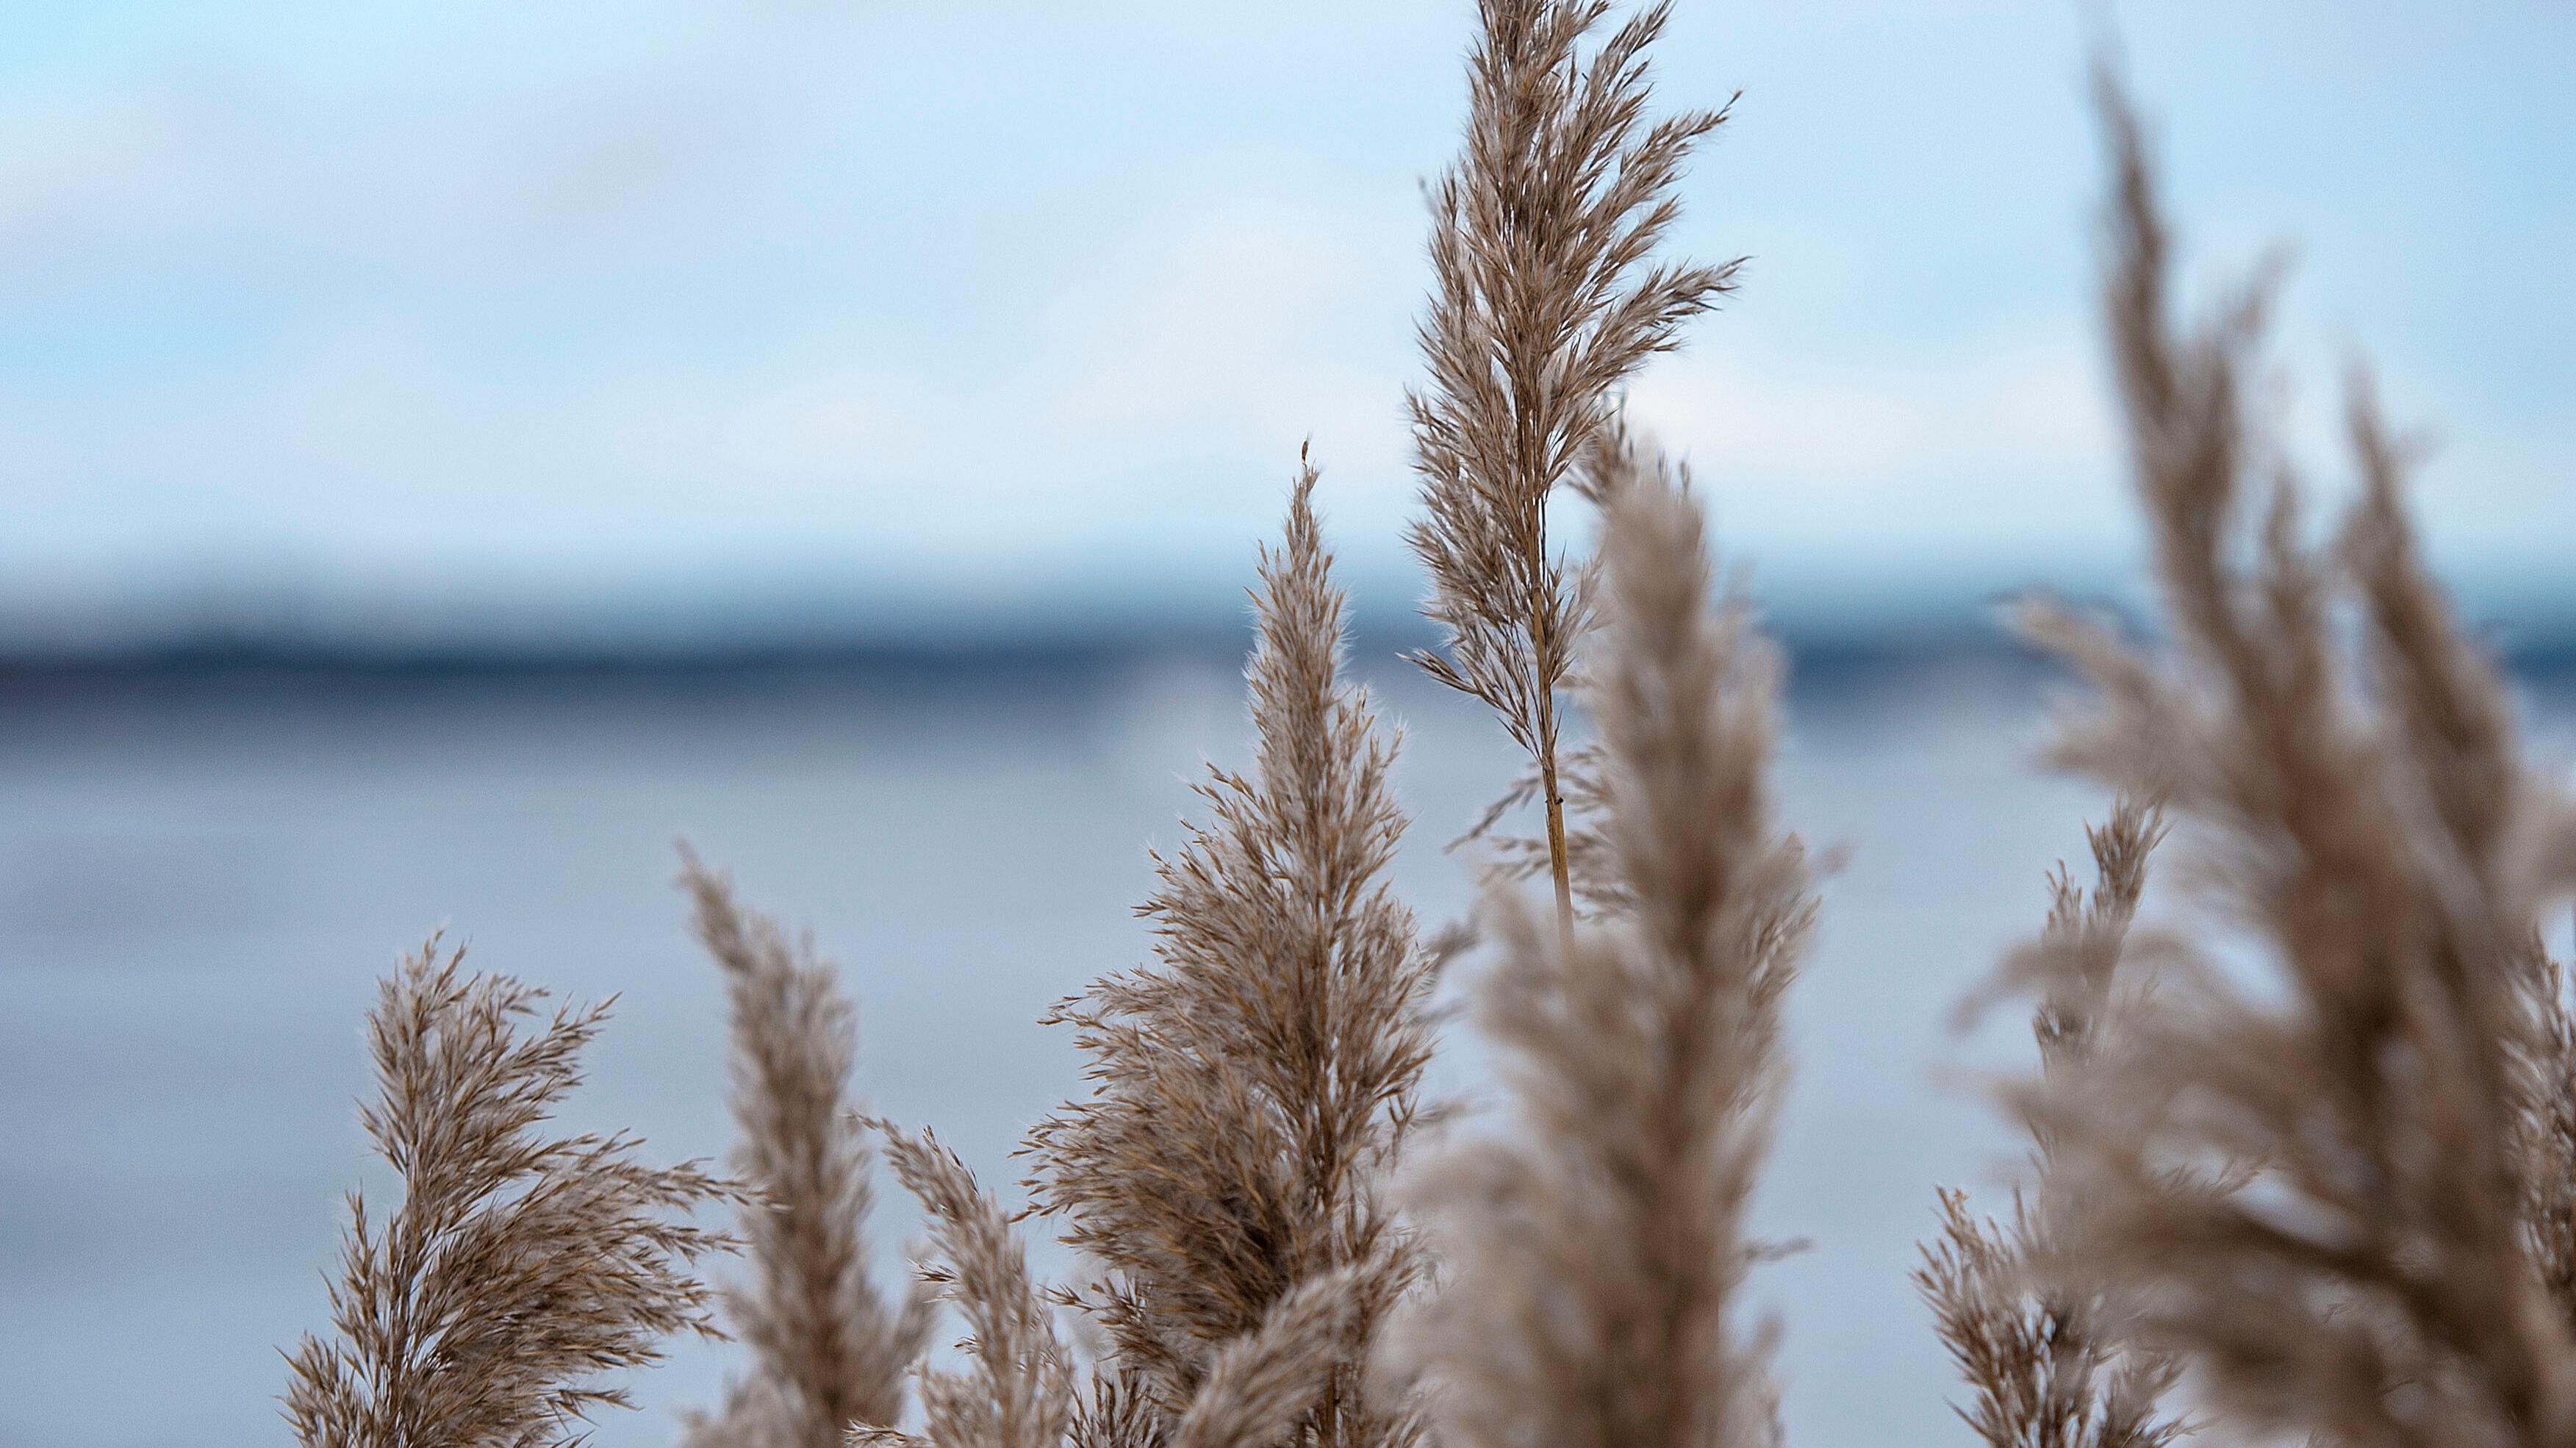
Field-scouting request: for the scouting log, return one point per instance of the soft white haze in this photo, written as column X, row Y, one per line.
column 674, row 301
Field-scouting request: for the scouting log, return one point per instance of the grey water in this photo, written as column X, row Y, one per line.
column 199, row 886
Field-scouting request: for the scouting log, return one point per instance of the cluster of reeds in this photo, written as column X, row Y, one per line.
column 2334, row 1197
column 2338, row 1202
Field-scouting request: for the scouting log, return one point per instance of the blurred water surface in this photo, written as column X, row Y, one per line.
column 197, row 891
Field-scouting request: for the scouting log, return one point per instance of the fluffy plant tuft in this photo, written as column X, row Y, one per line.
column 2048, row 1366
column 1252, row 1084
column 827, row 1350
column 519, row 1265
column 1016, row 1388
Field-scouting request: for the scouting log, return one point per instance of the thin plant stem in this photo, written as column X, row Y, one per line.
column 1545, row 640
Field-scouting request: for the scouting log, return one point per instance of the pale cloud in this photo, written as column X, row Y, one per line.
column 86, row 174
column 1227, row 337
column 614, row 284
column 1239, row 319
column 1164, row 391
column 1844, row 428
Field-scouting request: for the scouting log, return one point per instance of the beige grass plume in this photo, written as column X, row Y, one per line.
column 828, row 1351
column 2368, row 829
column 2048, row 1366
column 519, row 1266
column 1016, row 1389
column 1252, row 1083
column 1591, row 1260
column 2545, row 1130
column 1544, row 305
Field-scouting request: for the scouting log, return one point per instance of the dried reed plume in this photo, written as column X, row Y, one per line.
column 518, row 1266
column 1592, row 1261
column 1252, row 1084
column 1017, row 1389
column 1540, row 235
column 2545, row 1132
column 827, row 1351
column 2364, row 1274
column 2047, row 1365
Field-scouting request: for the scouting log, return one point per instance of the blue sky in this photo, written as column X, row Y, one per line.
column 416, row 308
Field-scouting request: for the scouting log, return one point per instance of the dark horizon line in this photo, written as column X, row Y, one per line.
column 243, row 663
column 706, row 634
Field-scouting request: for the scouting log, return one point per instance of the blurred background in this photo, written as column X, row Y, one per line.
column 447, row 451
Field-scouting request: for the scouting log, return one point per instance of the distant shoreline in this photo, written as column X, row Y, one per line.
column 1823, row 662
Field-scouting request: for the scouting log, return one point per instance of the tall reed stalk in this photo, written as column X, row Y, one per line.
column 1544, row 305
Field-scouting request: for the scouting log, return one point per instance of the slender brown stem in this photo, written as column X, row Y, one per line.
column 1556, row 861
column 1543, row 647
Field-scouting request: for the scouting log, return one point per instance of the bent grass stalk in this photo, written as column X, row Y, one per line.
column 519, row 1266
column 2048, row 1366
